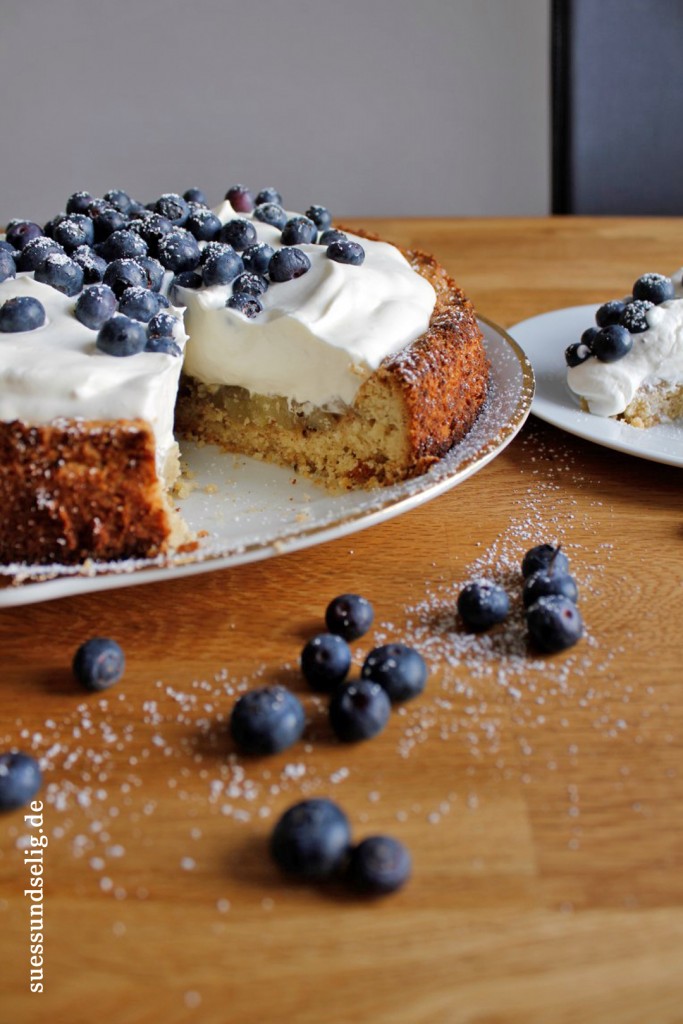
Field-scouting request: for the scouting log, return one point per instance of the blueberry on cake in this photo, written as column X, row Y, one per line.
column 630, row 364
column 269, row 333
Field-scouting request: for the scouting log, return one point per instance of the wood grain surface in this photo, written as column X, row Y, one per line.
column 541, row 797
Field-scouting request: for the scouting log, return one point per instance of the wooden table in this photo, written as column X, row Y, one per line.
column 542, row 798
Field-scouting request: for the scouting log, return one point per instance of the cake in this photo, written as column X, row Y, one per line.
column 630, row 365
column 268, row 333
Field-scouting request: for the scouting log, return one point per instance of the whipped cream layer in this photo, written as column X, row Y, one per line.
column 656, row 356
column 320, row 335
column 56, row 371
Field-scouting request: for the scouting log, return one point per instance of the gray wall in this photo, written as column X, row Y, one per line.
column 372, row 107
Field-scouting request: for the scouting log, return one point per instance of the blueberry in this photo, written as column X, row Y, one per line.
column 165, row 345
column 325, row 661
column 98, row 663
column 23, row 313
column 92, row 265
column 154, row 272
column 268, row 195
column 195, row 195
column 203, row 224
column 239, row 233
column 654, row 288
column 249, row 305
column 331, row 235
column 267, row 720
column 577, row 353
column 346, row 251
column 612, row 343
column 311, row 840
column 124, row 244
column 74, row 231
column 221, row 266
column 554, row 623
column 482, row 604
column 119, row 199
column 6, row 247
column 609, row 313
column 139, row 304
column 20, row 780
column 256, row 258
column 8, row 267
column 178, row 251
column 299, row 231
column 320, row 215
column 162, row 325
column 121, row 336
column 122, row 274
column 349, row 615
column 271, row 213
column 95, row 305
column 252, row 284
column 173, row 207
column 379, row 865
column 35, row 252
column 288, row 263
column 400, row 670
column 61, row 272
column 359, row 710
column 186, row 279
column 240, row 199
column 634, row 317
column 106, row 219
column 20, row 232
column 78, row 202
column 543, row 556
column 545, row 582
column 152, row 229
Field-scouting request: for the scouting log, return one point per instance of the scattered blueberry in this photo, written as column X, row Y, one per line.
column 252, row 284
column 359, row 710
column 653, row 288
column 268, row 195
column 634, row 317
column 178, row 251
column 154, row 272
column 482, row 604
column 139, row 304
column 78, row 202
column 542, row 556
column 92, row 265
column 379, row 865
column 121, row 336
column 349, row 615
column 20, row 780
column 256, row 258
column 267, row 720
column 239, row 233
column 165, row 345
column 325, row 661
column 162, row 325
column 122, row 274
column 60, row 272
column 299, row 231
column 123, row 244
column 203, row 224
column 271, row 213
column 320, row 215
column 346, row 251
column 288, row 263
column 311, row 840
column 95, row 305
column 20, row 232
column 545, row 582
column 98, row 663
column 195, row 195
column 249, row 305
column 612, row 343
column 119, row 199
column 609, row 313
column 35, row 252
column 74, row 231
column 331, row 235
column 400, row 670
column 8, row 267
column 240, row 199
column 173, row 207
column 23, row 313
column 554, row 623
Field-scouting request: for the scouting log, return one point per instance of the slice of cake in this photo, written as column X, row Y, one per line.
column 331, row 353
column 630, row 365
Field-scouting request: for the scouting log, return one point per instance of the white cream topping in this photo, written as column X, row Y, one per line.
column 319, row 335
column 656, row 355
column 56, row 371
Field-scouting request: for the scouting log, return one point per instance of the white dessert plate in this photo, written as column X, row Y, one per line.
column 544, row 339
column 246, row 510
